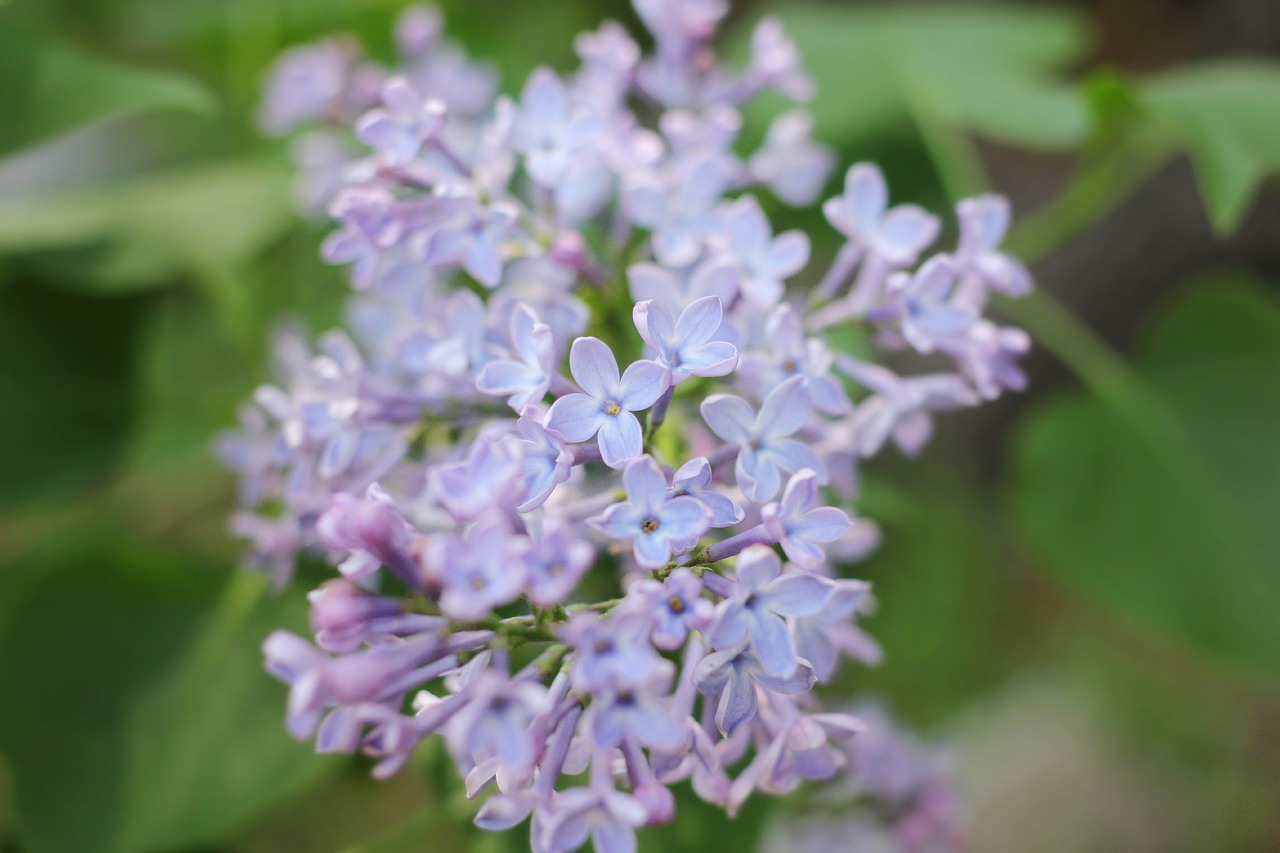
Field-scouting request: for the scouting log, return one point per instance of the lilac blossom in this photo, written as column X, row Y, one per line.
column 762, row 438
column 605, row 409
column 685, row 346
column 756, row 614
column 655, row 523
column 404, row 123
column 799, row 526
column 480, row 508
column 527, row 379
column 863, row 215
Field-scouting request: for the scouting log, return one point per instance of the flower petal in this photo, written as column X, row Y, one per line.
column 729, row 417
column 620, row 437
column 642, row 384
column 594, row 367
column 575, row 417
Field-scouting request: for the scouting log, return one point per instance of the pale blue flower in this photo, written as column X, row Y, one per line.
column 526, row 380
column 655, row 523
column 799, row 526
column 605, row 409
column 686, row 346
column 862, row 214
column 764, row 448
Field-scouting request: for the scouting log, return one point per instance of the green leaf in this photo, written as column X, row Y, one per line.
column 69, row 390
column 211, row 217
column 988, row 68
column 1175, row 522
column 145, row 713
column 60, row 89
column 1226, row 116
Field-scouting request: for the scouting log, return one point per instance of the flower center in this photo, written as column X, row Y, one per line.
column 649, row 525
column 555, row 569
column 477, row 584
column 676, row 604
column 612, row 408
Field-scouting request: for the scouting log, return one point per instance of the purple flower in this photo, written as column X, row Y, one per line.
column 546, row 462
column 678, row 208
column 861, row 214
column 713, row 278
column 929, row 315
column 547, row 130
column 675, row 607
column 900, row 408
column 496, row 720
column 525, row 380
column 989, row 355
column 733, row 675
column 799, row 526
column 694, row 478
column 482, row 482
column 823, row 636
column 613, row 652
column 473, row 240
column 983, row 223
column 790, row 162
column 775, row 61
column 763, row 445
column 606, row 407
column 479, row 570
column 758, row 610
column 636, row 713
column 765, row 262
column 791, row 353
column 372, row 531
column 605, row 815
column 685, row 346
column 556, row 561
column 404, row 123
column 343, row 617
column 655, row 523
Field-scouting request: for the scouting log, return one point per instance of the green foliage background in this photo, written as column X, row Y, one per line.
column 1110, row 541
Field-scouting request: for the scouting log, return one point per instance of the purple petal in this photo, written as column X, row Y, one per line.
column 757, row 566
column 865, row 195
column 652, row 550
column 646, row 486
column 729, row 417
column 620, row 521
column 796, row 594
column 737, row 704
column 699, row 322
column 717, row 358
column 729, row 629
column 655, row 325
column 642, row 384
column 620, row 437
column 772, row 642
column 785, row 409
column 757, row 474
column 789, row 254
column 685, row 518
column 791, row 455
column 575, row 417
column 824, row 524
column 904, row 232
column 594, row 367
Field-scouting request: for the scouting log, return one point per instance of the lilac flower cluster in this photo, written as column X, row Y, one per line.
column 905, row 793
column 575, row 358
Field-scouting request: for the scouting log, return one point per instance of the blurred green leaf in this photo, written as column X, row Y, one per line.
column 146, row 721
column 1226, row 116
column 213, row 217
column 61, row 89
column 68, row 388
column 1176, row 527
column 988, row 68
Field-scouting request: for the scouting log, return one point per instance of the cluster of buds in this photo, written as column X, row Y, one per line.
column 598, row 581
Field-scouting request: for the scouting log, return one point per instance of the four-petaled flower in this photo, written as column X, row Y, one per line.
column 757, row 613
column 656, row 523
column 798, row 525
column 862, row 214
column 605, row 409
column 685, row 346
column 763, row 445
column 528, row 378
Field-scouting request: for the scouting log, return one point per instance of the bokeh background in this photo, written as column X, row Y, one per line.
column 1079, row 587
